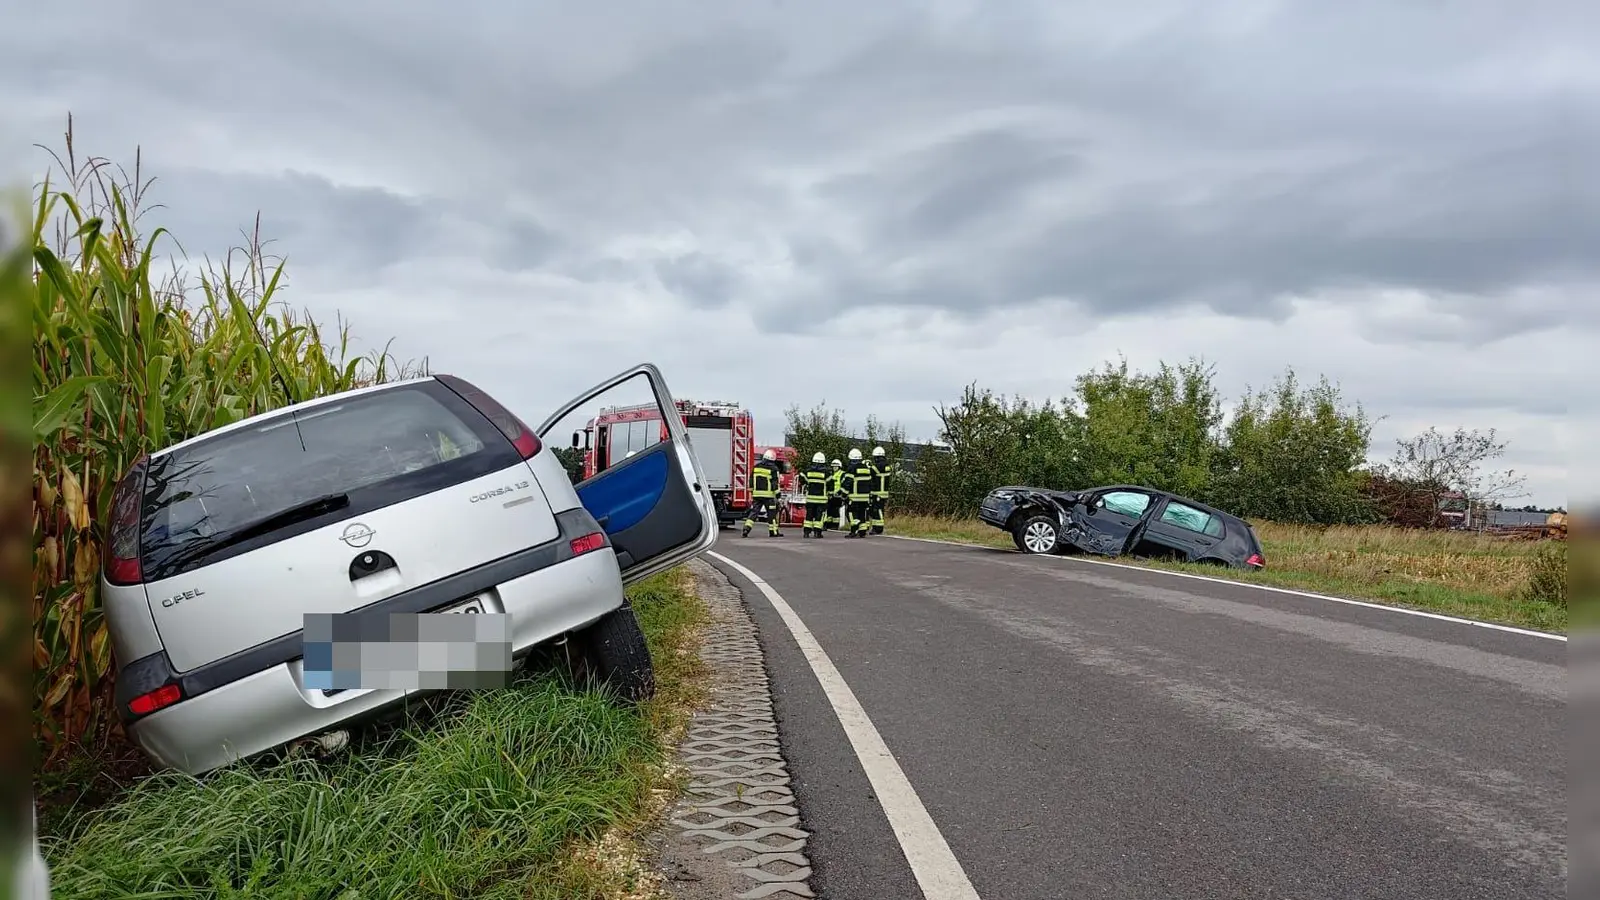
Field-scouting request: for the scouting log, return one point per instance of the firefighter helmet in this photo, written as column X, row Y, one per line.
column 818, row 458
column 770, row 455
column 837, row 464
column 855, row 454
column 877, row 451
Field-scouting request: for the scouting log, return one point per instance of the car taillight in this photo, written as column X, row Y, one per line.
column 515, row 430
column 587, row 543
column 1255, row 561
column 160, row 698
column 120, row 557
column 527, row 443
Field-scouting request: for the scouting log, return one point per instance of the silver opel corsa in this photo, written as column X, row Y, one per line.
column 413, row 497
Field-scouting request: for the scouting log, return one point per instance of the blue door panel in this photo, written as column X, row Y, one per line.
column 623, row 495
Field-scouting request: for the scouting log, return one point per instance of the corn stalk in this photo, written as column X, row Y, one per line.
column 127, row 361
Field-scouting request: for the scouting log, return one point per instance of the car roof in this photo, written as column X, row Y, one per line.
column 270, row 414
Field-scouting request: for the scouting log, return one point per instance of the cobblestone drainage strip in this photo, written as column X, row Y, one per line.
column 739, row 807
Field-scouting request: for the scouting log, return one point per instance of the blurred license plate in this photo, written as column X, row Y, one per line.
column 316, row 675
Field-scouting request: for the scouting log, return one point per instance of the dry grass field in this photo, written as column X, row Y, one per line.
column 1471, row 575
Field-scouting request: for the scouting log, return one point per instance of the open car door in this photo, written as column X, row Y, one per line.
column 641, row 480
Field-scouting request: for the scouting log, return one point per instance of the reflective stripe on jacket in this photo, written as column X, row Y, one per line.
column 881, row 472
column 764, row 481
column 816, row 483
column 859, row 482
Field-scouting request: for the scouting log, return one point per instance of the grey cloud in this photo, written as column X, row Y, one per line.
column 307, row 216
column 1106, row 159
column 339, row 228
column 1480, row 225
column 698, row 279
column 950, row 188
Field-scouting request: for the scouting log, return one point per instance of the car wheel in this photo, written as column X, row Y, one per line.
column 1036, row 534
column 615, row 652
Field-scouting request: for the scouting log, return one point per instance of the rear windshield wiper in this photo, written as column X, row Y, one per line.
column 310, row 509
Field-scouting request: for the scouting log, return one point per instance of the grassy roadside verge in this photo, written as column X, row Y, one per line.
column 514, row 793
column 1471, row 576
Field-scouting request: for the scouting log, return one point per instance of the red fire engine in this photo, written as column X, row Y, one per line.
column 722, row 435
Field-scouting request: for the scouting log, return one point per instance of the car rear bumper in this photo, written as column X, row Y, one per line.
column 272, row 707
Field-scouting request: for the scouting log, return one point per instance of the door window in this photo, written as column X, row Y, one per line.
column 1127, row 503
column 654, row 509
column 633, row 437
column 1180, row 515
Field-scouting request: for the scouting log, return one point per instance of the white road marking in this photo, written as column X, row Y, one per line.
column 932, row 863
column 1267, row 587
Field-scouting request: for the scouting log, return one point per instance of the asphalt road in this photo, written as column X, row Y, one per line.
column 1079, row 730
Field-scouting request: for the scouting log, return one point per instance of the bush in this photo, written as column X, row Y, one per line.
column 1289, row 453
column 1548, row 584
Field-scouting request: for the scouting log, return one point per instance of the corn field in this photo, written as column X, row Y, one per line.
column 126, row 361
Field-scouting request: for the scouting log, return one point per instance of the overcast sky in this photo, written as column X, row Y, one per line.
column 783, row 202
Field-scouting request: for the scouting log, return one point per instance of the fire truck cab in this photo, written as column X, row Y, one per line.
column 721, row 434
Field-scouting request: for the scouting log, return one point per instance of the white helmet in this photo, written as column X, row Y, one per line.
column 818, row 458
column 837, row 464
column 770, row 454
column 877, row 451
column 855, row 454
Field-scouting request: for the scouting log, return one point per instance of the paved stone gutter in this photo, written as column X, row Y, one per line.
column 736, row 831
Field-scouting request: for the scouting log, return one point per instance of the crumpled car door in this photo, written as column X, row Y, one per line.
column 1106, row 529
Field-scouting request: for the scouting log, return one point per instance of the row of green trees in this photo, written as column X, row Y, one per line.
column 1294, row 451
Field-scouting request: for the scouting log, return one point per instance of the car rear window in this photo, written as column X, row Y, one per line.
column 376, row 449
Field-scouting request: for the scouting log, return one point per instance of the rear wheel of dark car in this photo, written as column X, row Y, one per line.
column 1036, row 534
column 614, row 652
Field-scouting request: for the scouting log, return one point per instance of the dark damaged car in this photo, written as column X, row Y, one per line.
column 1122, row 520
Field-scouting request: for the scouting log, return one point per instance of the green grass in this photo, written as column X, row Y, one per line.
column 494, row 799
column 1471, row 576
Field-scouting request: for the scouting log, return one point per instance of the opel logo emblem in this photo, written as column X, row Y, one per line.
column 357, row 535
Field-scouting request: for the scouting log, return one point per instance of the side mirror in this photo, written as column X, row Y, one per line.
column 577, row 440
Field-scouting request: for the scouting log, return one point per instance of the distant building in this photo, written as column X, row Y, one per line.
column 1511, row 518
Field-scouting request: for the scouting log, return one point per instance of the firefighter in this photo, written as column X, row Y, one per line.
column 881, row 470
column 763, row 495
column 858, row 480
column 816, row 477
column 836, row 497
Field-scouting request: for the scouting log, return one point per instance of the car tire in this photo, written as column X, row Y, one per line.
column 615, row 653
column 1037, row 534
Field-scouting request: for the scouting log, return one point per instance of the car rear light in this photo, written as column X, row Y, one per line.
column 515, row 430
column 120, row 557
column 588, row 543
column 527, row 443
column 1256, row 562
column 160, row 698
